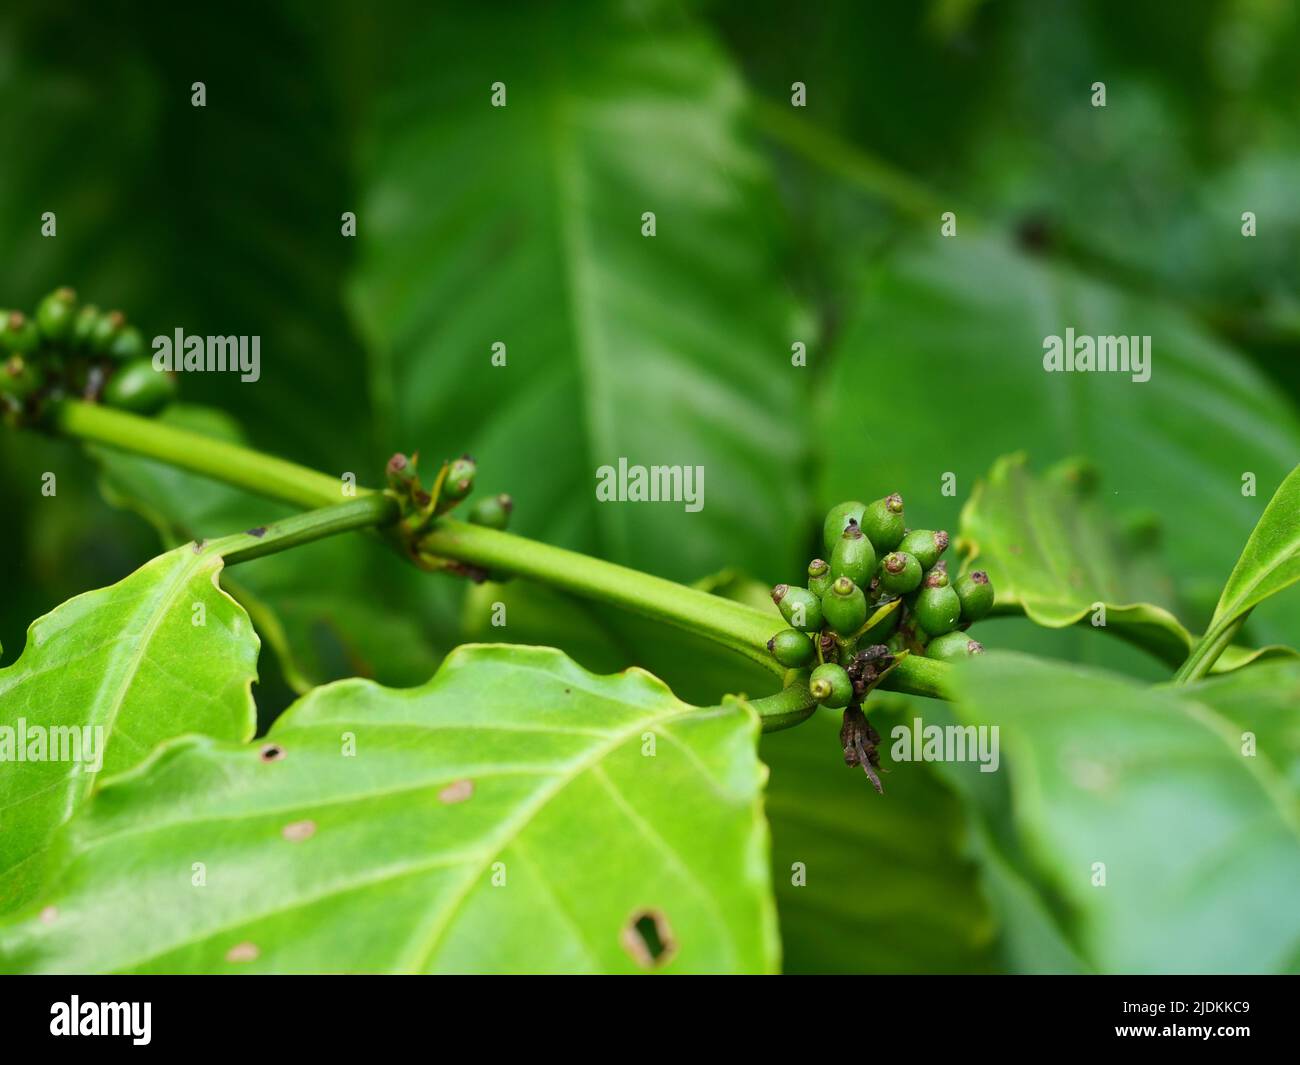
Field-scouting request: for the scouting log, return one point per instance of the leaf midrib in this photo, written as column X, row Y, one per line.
column 516, row 825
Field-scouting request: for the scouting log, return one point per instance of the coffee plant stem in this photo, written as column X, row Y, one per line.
column 791, row 706
column 740, row 628
column 364, row 512
column 230, row 463
column 1207, row 651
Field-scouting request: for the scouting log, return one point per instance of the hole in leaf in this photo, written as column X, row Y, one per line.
column 272, row 752
column 649, row 939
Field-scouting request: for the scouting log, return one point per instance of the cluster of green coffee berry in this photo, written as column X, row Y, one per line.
column 420, row 506
column 885, row 591
column 71, row 349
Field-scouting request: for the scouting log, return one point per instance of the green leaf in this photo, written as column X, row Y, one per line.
column 504, row 816
column 888, row 887
column 1186, row 796
column 268, row 262
column 968, row 362
column 1271, row 558
column 160, row 653
column 1049, row 551
column 523, row 225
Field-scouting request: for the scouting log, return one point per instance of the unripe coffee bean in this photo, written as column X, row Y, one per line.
column 937, row 608
column 883, row 522
column 900, row 573
column 926, row 544
column 837, row 518
column 844, row 607
column 953, row 645
column 800, row 608
column 976, row 595
column 853, row 556
column 830, row 685
column 792, row 648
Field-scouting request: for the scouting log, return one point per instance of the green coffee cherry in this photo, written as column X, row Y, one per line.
column 127, row 345
column 844, row 606
column 836, row 519
column 883, row 522
column 819, row 577
column 900, row 573
column 926, row 544
column 937, row 608
column 800, row 608
column 107, row 328
column 830, row 685
column 19, row 335
column 792, row 648
column 460, row 478
column 976, row 595
column 953, row 645
column 55, row 314
column 492, row 512
column 853, row 556
column 18, row 378
column 83, row 326
column 138, row 387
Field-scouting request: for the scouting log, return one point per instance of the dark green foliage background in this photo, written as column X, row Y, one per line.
column 923, row 354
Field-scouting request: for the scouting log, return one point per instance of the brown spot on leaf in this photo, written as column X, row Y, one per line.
column 297, row 831
column 198, row 546
column 243, row 952
column 259, row 532
column 456, row 791
column 272, row 752
column 49, row 915
column 648, row 937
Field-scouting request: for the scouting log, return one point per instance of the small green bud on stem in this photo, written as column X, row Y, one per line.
column 493, row 512
column 138, row 387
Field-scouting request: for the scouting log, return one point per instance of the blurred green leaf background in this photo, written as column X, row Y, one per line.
column 775, row 225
